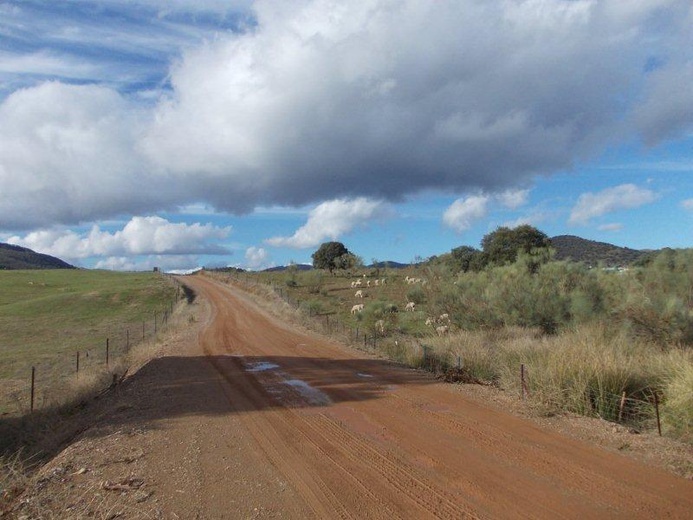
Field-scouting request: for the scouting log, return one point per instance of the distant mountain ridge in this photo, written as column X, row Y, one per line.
column 16, row 257
column 570, row 247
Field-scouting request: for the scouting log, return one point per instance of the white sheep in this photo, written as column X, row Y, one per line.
column 382, row 281
column 442, row 330
column 380, row 326
column 359, row 294
column 409, row 307
column 430, row 321
column 357, row 283
column 376, row 283
column 357, row 308
column 368, row 283
column 444, row 318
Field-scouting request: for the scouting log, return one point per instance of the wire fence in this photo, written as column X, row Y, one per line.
column 46, row 380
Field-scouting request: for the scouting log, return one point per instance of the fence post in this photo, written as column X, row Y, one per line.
column 522, row 380
column 78, row 361
column 107, row 346
column 33, row 381
column 659, row 424
column 621, row 406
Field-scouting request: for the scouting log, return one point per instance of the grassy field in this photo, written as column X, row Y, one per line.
column 47, row 316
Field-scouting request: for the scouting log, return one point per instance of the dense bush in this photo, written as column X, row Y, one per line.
column 653, row 302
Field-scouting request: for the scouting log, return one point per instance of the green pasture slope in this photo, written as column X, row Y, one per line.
column 46, row 316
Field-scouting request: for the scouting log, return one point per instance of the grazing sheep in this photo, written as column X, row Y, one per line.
column 376, row 282
column 442, row 330
column 430, row 321
column 357, row 308
column 444, row 318
column 380, row 326
column 409, row 307
column 357, row 283
column 382, row 281
column 368, row 283
column 359, row 294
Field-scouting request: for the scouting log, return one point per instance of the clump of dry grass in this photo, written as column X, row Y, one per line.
column 586, row 370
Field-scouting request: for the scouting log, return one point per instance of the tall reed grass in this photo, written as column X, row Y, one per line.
column 585, row 370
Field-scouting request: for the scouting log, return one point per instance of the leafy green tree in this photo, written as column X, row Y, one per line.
column 463, row 258
column 331, row 256
column 502, row 245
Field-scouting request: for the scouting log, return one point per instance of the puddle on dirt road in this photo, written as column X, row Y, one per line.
column 312, row 395
column 261, row 366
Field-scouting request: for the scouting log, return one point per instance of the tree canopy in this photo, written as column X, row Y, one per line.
column 333, row 255
column 503, row 245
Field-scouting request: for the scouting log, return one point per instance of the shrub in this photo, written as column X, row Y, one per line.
column 416, row 294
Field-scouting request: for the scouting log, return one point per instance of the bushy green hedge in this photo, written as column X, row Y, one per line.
column 653, row 302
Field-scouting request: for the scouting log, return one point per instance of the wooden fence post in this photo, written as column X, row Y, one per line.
column 659, row 424
column 522, row 380
column 78, row 361
column 621, row 406
column 107, row 347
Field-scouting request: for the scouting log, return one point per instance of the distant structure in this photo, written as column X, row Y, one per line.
column 156, row 269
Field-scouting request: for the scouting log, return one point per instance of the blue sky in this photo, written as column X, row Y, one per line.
column 182, row 133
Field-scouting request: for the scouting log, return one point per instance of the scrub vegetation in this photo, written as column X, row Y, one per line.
column 588, row 336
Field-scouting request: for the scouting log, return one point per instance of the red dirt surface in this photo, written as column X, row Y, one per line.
column 255, row 419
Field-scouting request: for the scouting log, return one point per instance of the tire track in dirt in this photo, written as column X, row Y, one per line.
column 399, row 445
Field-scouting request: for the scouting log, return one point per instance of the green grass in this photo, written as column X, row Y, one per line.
column 46, row 317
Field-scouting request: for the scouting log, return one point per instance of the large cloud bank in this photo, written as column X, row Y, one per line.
column 324, row 100
column 140, row 236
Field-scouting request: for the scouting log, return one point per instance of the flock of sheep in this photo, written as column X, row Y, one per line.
column 441, row 324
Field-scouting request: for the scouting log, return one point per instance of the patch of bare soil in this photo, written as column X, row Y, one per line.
column 246, row 417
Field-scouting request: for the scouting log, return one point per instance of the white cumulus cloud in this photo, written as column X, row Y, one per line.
column 462, row 214
column 256, row 257
column 331, row 220
column 626, row 196
column 140, row 236
column 317, row 100
column 513, row 199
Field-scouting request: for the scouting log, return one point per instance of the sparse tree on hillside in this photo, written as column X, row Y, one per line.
column 502, row 245
column 463, row 258
column 333, row 255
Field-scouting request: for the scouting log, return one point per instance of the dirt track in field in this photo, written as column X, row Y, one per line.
column 255, row 419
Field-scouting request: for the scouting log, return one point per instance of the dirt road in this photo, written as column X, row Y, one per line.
column 257, row 420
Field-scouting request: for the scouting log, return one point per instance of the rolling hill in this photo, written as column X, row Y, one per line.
column 592, row 252
column 16, row 257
